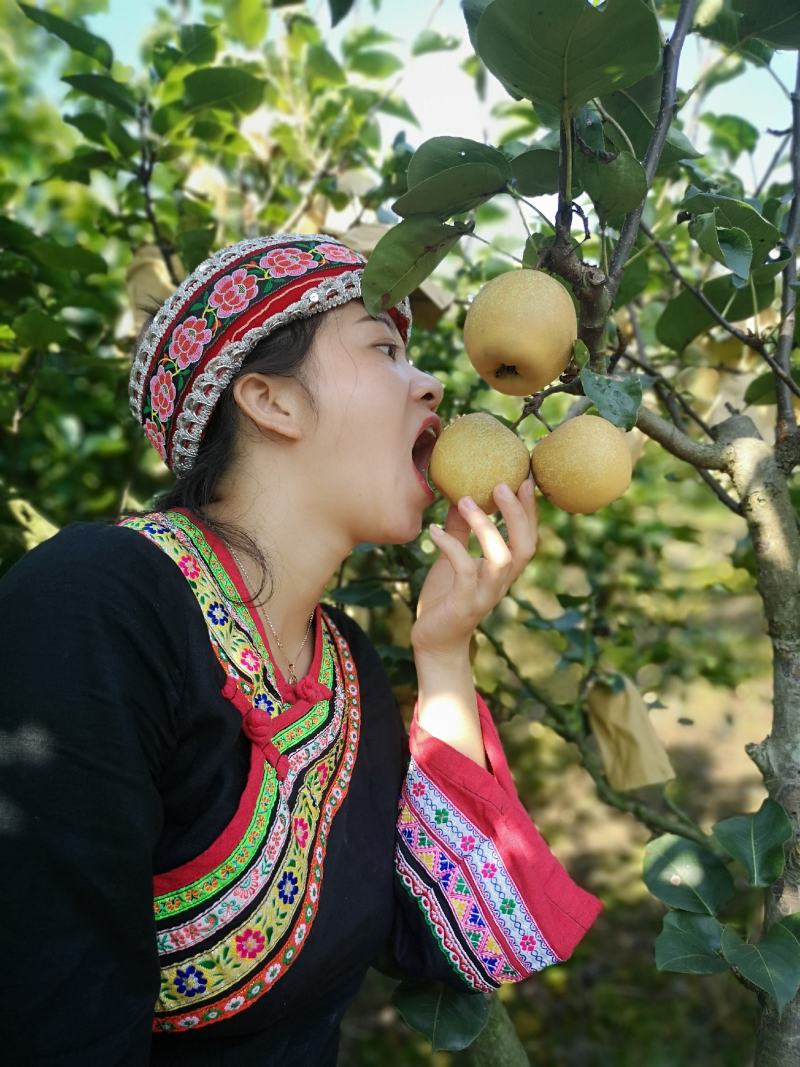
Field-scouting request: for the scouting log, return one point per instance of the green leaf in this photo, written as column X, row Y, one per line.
column 684, row 317
column 404, row 257
column 567, row 50
column 431, row 41
column 198, row 43
column 735, row 213
column 728, row 245
column 106, row 89
column 376, row 64
column 634, row 281
column 398, row 108
column 229, row 88
column 247, row 21
column 453, row 191
column 757, row 841
column 718, row 21
column 615, row 188
column 441, row 153
column 777, row 22
column 339, row 8
column 635, row 109
column 690, row 943
column 79, row 168
column 450, row 1020
column 685, row 875
column 762, row 390
column 772, row 964
column 365, row 594
column 322, row 67
column 536, row 171
column 37, row 329
column 76, row 37
column 194, row 245
column 731, row 133
column 617, row 399
column 792, row 923
column 580, row 353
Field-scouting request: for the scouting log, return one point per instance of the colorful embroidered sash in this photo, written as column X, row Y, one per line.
column 232, row 921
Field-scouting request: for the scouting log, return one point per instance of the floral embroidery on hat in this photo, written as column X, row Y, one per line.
column 188, row 341
column 162, row 392
column 283, row 262
column 338, row 253
column 233, row 292
column 156, row 437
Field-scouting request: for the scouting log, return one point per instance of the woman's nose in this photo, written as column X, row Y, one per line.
column 428, row 388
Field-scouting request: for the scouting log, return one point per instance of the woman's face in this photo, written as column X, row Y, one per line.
column 372, row 405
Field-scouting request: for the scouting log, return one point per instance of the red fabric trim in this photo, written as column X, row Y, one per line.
column 563, row 910
column 229, row 840
column 226, row 559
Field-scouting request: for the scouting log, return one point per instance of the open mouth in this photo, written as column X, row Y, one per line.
column 422, row 451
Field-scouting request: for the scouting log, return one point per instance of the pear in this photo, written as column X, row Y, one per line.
column 519, row 331
column 583, row 464
column 475, row 453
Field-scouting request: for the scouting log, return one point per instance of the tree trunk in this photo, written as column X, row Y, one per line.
column 772, row 523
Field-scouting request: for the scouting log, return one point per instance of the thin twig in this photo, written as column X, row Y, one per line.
column 144, row 172
column 773, row 163
column 666, row 112
column 786, row 424
column 749, row 339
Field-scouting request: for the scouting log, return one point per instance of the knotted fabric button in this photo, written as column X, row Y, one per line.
column 307, row 689
column 257, row 726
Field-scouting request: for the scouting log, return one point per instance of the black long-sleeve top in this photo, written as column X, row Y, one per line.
column 153, row 899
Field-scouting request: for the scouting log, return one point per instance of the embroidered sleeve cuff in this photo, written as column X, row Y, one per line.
column 498, row 901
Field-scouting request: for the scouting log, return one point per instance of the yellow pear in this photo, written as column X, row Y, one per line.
column 474, row 454
column 584, row 464
column 519, row 331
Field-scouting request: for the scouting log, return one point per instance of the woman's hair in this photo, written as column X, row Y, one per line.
column 284, row 353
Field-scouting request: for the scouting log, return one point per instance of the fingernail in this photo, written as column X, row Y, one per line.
column 434, row 530
column 527, row 487
column 504, row 491
column 468, row 503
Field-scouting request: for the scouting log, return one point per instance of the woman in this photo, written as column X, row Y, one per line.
column 214, row 821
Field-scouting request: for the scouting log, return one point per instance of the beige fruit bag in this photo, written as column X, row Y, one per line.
column 632, row 754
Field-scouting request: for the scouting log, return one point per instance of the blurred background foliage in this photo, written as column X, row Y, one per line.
column 238, row 120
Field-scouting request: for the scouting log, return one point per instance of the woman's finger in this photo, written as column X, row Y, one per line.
column 497, row 559
column 519, row 512
column 465, row 568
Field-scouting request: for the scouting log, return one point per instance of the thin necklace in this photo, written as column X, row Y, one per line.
column 292, row 675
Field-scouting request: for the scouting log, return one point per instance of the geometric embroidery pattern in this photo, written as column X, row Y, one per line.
column 458, row 878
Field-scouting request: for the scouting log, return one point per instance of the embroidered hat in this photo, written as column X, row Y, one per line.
column 200, row 336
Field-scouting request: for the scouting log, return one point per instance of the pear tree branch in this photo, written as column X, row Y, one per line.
column 666, row 113
column 747, row 338
column 786, row 426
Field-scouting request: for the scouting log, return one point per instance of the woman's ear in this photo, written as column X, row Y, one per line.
column 272, row 404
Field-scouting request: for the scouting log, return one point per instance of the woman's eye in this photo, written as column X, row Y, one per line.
column 393, row 347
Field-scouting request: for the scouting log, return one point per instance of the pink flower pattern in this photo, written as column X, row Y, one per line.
column 190, row 567
column 287, row 262
column 528, row 943
column 249, row 660
column 233, row 293
column 322, row 774
column 467, row 843
column 300, row 827
column 249, row 944
column 156, row 437
column 188, row 341
column 418, row 789
column 162, row 393
column 338, row 253
column 489, row 870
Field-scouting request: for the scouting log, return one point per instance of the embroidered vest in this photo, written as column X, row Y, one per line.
column 231, row 922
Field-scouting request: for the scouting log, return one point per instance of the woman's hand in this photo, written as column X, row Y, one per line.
column 460, row 590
